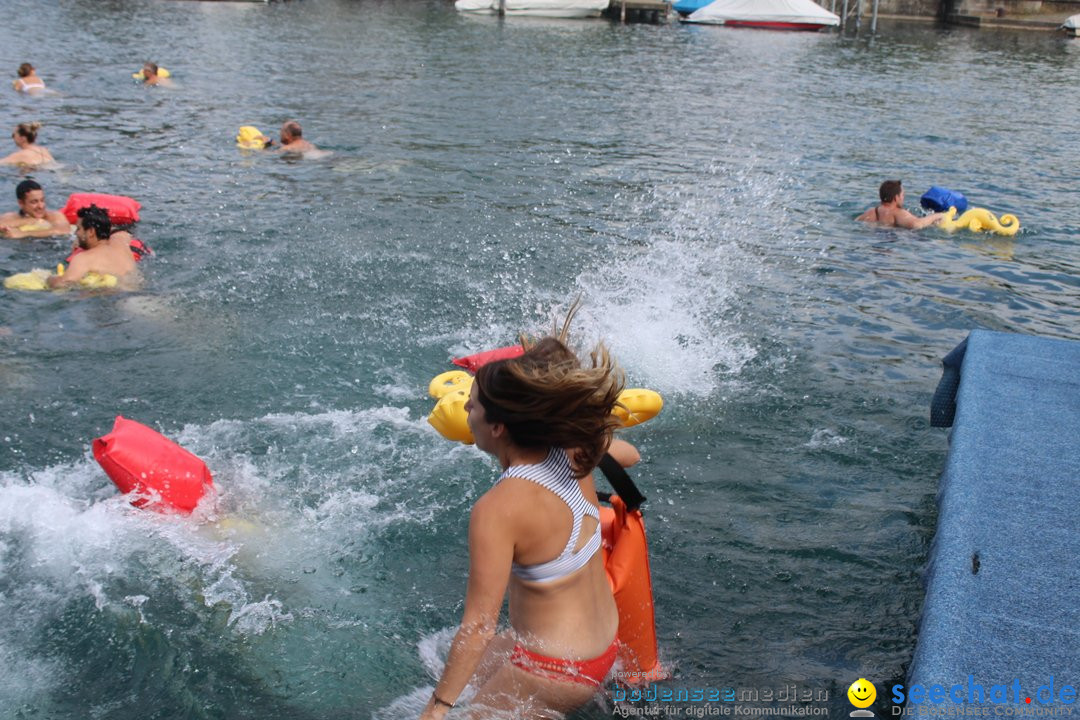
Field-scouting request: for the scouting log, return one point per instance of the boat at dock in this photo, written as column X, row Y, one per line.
column 762, row 14
column 1071, row 25
column 537, row 8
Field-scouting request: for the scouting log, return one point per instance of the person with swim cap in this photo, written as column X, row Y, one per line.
column 32, row 219
column 103, row 252
column 891, row 212
column 292, row 140
column 547, row 420
column 28, row 82
column 29, row 153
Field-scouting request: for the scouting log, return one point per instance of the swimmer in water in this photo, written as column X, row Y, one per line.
column 28, row 82
column 292, row 140
column 103, row 252
column 32, row 219
column 546, row 419
column 151, row 76
column 891, row 212
column 29, row 153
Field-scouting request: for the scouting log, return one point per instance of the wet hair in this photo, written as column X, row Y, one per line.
column 25, row 69
column 152, row 67
column 94, row 218
column 28, row 131
column 547, row 398
column 889, row 190
column 292, row 129
column 26, row 187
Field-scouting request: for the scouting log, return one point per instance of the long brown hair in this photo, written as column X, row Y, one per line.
column 547, row 398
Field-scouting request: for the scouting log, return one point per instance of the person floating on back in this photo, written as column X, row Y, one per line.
column 32, row 219
column 891, row 212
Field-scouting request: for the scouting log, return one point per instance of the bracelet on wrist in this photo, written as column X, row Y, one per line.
column 439, row 701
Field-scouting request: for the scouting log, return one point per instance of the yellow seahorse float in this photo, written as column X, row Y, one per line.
column 978, row 220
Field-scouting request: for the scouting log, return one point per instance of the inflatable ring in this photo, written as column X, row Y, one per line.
column 979, row 220
column 636, row 405
column 161, row 73
column 38, row 279
column 448, row 382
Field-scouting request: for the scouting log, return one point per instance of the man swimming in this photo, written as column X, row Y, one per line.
column 32, row 219
column 103, row 252
column 891, row 212
column 152, row 75
column 292, row 140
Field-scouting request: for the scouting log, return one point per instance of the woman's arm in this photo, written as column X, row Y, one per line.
column 491, row 552
column 624, row 453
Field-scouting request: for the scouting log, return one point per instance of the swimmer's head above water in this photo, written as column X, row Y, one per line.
column 31, row 199
column 92, row 227
column 26, row 131
column 889, row 190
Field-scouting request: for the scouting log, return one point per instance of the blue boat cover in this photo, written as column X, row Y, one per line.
column 1003, row 582
column 685, row 7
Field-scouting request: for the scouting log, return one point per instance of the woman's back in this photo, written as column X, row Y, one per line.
column 560, row 599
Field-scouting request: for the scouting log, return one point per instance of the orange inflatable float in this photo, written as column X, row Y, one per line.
column 626, row 559
column 162, row 474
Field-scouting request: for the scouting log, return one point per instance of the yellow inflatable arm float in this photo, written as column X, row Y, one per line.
column 452, row 389
column 161, row 73
column 248, row 137
column 38, row 279
column 978, row 220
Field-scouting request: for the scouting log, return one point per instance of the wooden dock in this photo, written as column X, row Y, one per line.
column 639, row 10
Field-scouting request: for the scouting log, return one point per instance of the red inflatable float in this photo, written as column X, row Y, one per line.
column 472, row 363
column 626, row 559
column 122, row 209
column 141, row 460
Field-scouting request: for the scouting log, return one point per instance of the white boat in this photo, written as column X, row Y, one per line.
column 1071, row 25
column 538, row 8
column 767, row 14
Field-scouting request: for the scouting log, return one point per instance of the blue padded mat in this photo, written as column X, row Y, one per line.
column 1003, row 582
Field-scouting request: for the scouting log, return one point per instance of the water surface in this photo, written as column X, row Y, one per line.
column 695, row 185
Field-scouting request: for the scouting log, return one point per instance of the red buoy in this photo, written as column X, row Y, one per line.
column 122, row 209
column 472, row 363
column 141, row 460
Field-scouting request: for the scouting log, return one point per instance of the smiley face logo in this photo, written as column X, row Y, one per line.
column 862, row 693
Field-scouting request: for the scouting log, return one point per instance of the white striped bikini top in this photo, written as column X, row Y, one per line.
column 556, row 475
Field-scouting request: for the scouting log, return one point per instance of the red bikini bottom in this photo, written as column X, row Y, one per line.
column 588, row 672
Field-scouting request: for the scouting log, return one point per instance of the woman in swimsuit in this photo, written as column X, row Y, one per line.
column 547, row 420
column 29, row 154
column 28, row 81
